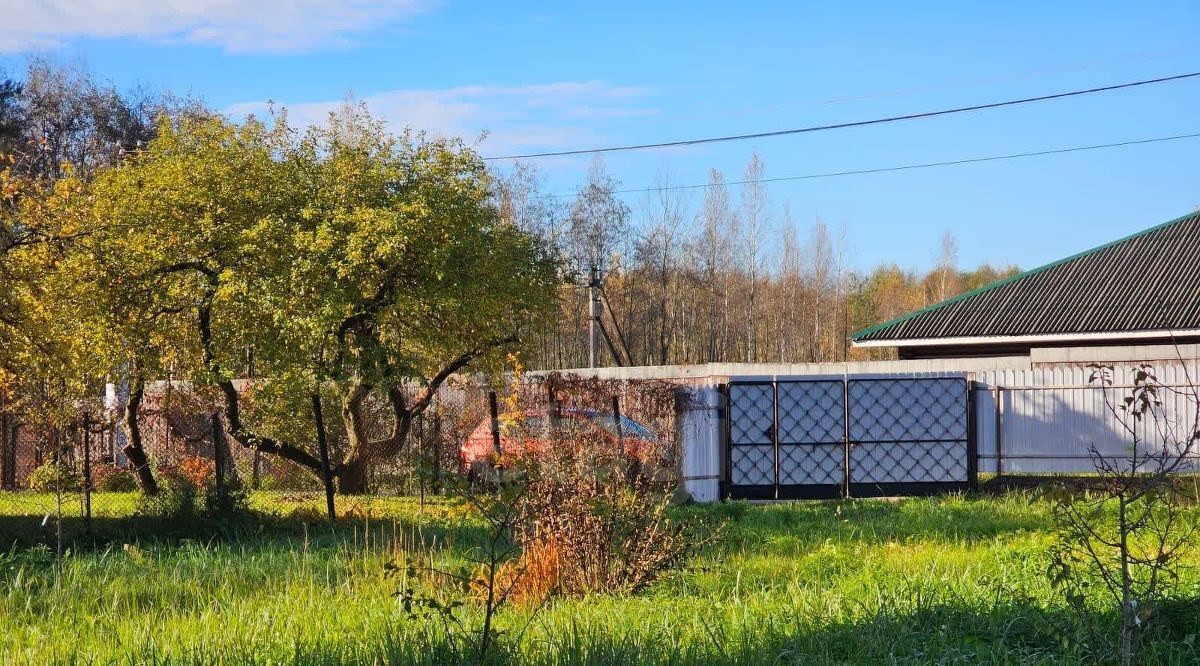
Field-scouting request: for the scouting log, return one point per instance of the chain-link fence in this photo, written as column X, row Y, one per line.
column 76, row 481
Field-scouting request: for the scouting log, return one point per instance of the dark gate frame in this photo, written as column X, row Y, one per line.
column 728, row 490
column 758, row 492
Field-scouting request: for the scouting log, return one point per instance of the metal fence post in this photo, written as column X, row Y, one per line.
column 616, row 408
column 494, row 412
column 7, row 473
column 323, row 449
column 437, row 453
column 87, row 475
column 846, row 445
column 726, row 437
column 775, row 430
column 999, row 431
column 972, row 438
column 422, row 460
column 552, row 411
column 218, row 454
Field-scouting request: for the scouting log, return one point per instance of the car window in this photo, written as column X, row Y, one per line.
column 629, row 427
column 573, row 424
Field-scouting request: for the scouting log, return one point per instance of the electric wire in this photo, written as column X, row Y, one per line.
column 857, row 123
column 903, row 167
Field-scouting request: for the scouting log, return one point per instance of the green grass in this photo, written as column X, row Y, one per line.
column 943, row 580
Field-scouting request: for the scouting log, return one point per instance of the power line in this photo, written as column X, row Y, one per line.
column 858, row 123
column 905, row 167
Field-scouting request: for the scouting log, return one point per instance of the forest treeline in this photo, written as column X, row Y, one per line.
column 733, row 277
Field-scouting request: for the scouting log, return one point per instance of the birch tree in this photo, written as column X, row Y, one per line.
column 753, row 214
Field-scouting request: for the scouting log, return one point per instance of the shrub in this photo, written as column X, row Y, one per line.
column 225, row 501
column 531, row 578
column 176, row 497
column 113, row 479
column 589, row 525
column 51, row 477
column 200, row 472
column 187, row 493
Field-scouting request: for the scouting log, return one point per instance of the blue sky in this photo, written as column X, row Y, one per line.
column 548, row 76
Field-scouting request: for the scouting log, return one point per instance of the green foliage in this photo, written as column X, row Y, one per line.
column 109, row 478
column 349, row 260
column 51, row 477
column 176, row 500
column 225, row 501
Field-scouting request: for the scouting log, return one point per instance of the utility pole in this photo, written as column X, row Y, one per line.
column 593, row 313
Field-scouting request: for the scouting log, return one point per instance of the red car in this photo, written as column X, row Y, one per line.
column 528, row 433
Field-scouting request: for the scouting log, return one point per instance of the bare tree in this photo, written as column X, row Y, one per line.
column 711, row 249
column 599, row 221
column 790, row 284
column 820, row 270
column 1129, row 538
column 947, row 267
column 657, row 253
column 753, row 214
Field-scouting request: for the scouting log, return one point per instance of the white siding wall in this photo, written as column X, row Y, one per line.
column 700, row 435
column 1052, row 415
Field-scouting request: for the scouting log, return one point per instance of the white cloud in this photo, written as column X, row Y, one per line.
column 235, row 25
column 516, row 118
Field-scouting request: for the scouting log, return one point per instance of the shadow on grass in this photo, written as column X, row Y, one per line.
column 943, row 519
column 250, row 527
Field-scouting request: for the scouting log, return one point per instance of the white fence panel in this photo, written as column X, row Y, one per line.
column 700, row 438
column 1055, row 419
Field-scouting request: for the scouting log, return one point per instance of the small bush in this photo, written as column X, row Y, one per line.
column 176, row 498
column 200, row 472
column 113, row 479
column 531, row 578
column 225, row 501
column 590, row 525
column 51, row 477
column 187, row 493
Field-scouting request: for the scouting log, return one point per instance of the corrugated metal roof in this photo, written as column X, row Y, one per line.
column 1149, row 281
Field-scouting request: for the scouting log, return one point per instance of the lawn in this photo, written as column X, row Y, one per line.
column 947, row 580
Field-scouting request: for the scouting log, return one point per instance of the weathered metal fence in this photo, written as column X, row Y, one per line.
column 74, row 481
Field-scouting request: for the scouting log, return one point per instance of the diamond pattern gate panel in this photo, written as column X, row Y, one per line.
column 908, row 436
column 751, row 424
column 812, row 431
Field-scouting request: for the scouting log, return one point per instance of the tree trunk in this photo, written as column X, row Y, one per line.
column 133, row 449
column 364, row 453
column 352, row 473
column 1129, row 609
column 352, row 476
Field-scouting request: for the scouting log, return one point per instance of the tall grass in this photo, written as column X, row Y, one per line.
column 945, row 580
